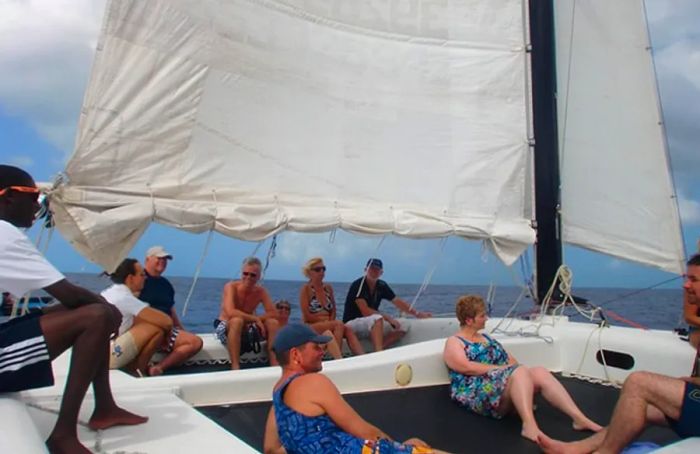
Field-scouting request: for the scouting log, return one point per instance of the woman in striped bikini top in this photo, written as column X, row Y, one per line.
column 318, row 307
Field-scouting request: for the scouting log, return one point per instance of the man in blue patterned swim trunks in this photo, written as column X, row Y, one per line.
column 647, row 399
column 307, row 407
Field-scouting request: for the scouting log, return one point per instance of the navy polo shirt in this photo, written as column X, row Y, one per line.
column 382, row 291
column 159, row 293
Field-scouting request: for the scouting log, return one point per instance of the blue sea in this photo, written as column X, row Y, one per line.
column 654, row 308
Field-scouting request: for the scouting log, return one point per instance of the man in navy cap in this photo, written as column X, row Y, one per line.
column 362, row 308
column 308, row 410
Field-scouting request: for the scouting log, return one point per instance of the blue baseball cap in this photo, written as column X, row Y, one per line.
column 375, row 263
column 296, row 334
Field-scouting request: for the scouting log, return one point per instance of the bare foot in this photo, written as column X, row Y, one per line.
column 586, row 424
column 115, row 417
column 552, row 446
column 531, row 432
column 65, row 445
column 416, row 442
column 155, row 370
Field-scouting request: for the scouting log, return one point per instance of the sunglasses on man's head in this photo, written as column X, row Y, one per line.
column 25, row 189
column 249, row 274
column 318, row 269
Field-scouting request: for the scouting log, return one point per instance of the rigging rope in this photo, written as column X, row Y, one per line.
column 526, row 273
column 429, row 275
column 205, row 252
column 525, row 290
column 638, row 291
column 595, row 309
column 257, row 248
column 491, row 292
column 196, row 272
column 270, row 255
column 490, row 297
column 620, row 318
column 562, row 153
column 562, row 281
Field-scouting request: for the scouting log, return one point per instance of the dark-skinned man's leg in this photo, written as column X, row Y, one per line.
column 87, row 330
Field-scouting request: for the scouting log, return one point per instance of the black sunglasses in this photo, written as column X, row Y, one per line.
column 248, row 273
column 318, row 268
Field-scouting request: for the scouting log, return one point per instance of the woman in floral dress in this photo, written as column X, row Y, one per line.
column 486, row 379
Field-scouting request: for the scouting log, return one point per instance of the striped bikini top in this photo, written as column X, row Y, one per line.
column 315, row 306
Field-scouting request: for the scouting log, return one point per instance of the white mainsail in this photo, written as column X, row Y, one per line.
column 412, row 118
column 251, row 117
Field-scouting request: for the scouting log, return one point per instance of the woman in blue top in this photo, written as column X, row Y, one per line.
column 486, row 379
column 309, row 415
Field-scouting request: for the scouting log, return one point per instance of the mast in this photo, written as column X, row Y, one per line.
column 544, row 104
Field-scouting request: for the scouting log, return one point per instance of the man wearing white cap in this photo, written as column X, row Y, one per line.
column 159, row 293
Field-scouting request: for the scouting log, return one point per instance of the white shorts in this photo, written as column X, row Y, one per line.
column 122, row 351
column 363, row 325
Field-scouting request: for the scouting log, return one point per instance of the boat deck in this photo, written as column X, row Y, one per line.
column 171, row 427
column 428, row 413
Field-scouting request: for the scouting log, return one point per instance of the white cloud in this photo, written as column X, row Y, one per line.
column 21, row 161
column 672, row 20
column 296, row 248
column 614, row 264
column 675, row 31
column 681, row 58
column 690, row 210
column 46, row 50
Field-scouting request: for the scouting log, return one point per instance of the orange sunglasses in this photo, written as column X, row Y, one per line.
column 26, row 189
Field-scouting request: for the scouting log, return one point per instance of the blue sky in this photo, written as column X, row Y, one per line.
column 46, row 49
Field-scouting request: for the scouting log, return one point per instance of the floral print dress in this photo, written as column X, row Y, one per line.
column 482, row 393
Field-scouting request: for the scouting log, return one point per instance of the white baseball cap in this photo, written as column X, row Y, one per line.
column 158, row 251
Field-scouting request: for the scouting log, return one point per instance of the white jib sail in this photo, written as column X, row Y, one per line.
column 617, row 193
column 255, row 116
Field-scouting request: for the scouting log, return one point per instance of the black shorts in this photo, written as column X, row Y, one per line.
column 24, row 357
column 688, row 425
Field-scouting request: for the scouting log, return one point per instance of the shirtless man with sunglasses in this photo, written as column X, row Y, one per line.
column 239, row 302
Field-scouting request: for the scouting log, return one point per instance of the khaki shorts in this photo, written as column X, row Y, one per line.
column 122, row 351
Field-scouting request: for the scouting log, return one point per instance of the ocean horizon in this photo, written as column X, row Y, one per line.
column 649, row 308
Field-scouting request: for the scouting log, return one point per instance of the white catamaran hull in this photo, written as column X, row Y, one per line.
column 176, row 426
column 205, row 116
